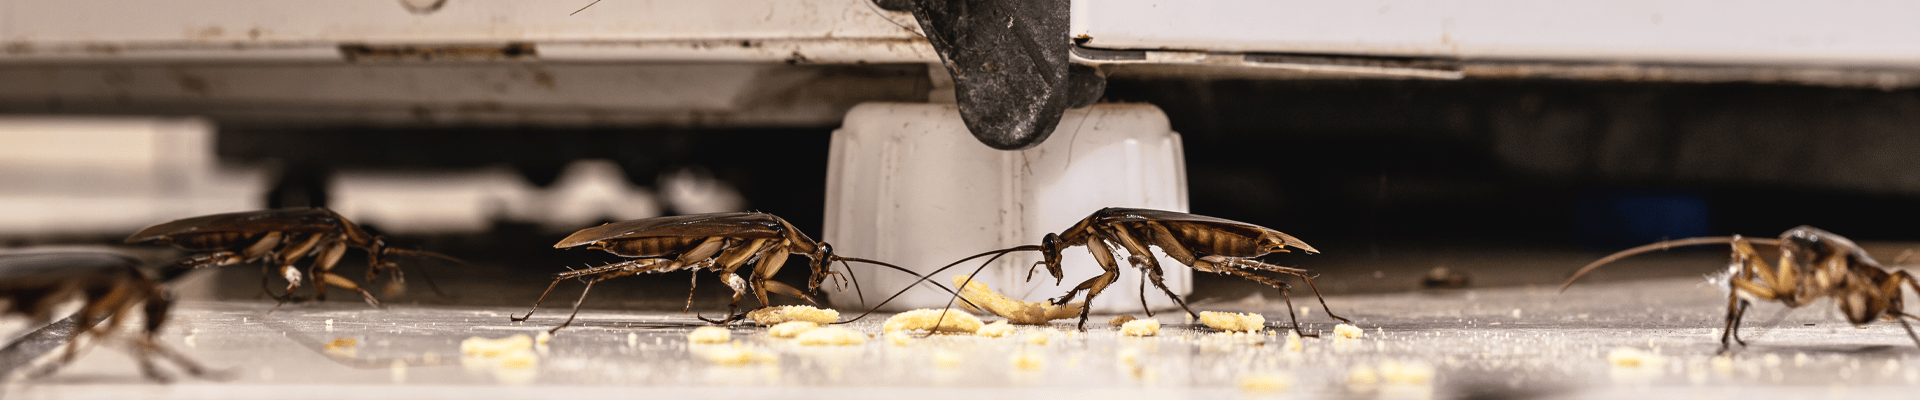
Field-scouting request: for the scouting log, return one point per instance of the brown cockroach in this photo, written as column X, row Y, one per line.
column 1200, row 242
column 33, row 283
column 280, row 238
column 1813, row 264
column 719, row 242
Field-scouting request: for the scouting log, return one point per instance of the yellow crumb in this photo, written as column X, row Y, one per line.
column 899, row 338
column 339, row 343
column 1233, row 322
column 1415, row 373
column 1141, row 327
column 342, row 347
column 831, row 336
column 519, row 360
column 1723, row 364
column 954, row 321
column 776, row 315
column 1028, row 362
column 1293, row 342
column 731, row 355
column 1263, row 383
column 1348, row 331
column 1362, row 375
column 710, row 335
column 1629, row 357
column 483, row 347
column 1019, row 312
column 946, row 359
column 995, row 329
column 791, row 329
column 1039, row 338
column 1120, row 320
column 543, row 338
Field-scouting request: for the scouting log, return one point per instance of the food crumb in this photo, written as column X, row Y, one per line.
column 953, row 321
column 1723, row 364
column 710, row 335
column 1263, row 383
column 1019, row 312
column 1293, row 342
column 791, row 329
column 899, row 338
column 995, row 329
column 1362, row 375
column 1028, row 362
column 734, row 355
column 1120, row 320
column 1629, row 357
column 1038, row 338
column 341, row 342
column 342, row 347
column 484, row 347
column 1233, row 322
column 1141, row 327
column 1406, row 374
column 1348, row 331
column 543, row 338
column 776, row 315
column 946, row 359
column 398, row 371
column 831, row 336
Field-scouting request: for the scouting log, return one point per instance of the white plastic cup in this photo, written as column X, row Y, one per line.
column 906, row 184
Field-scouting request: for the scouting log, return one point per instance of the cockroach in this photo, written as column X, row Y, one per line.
column 1200, row 242
column 281, row 238
column 1812, row 264
column 33, row 283
column 719, row 242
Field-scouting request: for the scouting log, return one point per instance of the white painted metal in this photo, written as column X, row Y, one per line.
column 657, row 30
column 1863, row 33
column 907, row 184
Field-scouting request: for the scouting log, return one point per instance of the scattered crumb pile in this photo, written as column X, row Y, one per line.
column 511, row 359
column 1141, row 327
column 1019, row 312
column 709, row 335
column 995, row 329
column 775, row 315
column 1233, row 322
column 831, row 336
column 955, row 321
column 1345, row 331
column 791, row 329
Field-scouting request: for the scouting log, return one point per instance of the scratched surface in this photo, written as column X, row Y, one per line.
column 1605, row 340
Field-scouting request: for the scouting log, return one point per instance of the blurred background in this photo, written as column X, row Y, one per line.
column 488, row 130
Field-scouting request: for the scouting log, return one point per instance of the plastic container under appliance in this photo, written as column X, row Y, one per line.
column 906, row 184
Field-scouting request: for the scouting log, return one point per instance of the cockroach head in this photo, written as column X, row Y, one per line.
column 820, row 262
column 1050, row 248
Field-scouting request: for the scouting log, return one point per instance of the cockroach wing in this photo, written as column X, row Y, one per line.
column 281, row 220
column 1189, row 225
column 750, row 225
column 47, row 269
